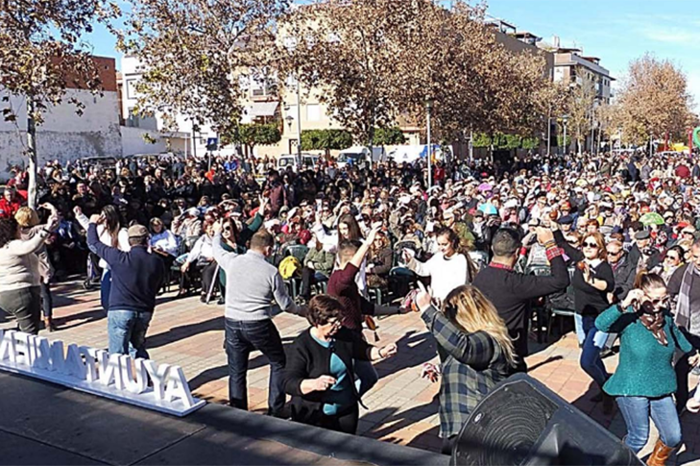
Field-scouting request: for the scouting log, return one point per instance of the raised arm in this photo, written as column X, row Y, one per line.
column 30, row 246
column 362, row 251
column 575, row 254
column 109, row 254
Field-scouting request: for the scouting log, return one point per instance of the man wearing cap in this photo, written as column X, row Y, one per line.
column 566, row 222
column 137, row 276
column 642, row 256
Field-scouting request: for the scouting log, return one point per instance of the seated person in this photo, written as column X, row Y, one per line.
column 318, row 265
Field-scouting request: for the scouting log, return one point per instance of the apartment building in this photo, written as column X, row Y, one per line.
column 571, row 66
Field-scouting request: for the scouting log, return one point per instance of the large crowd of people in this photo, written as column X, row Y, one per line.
column 612, row 238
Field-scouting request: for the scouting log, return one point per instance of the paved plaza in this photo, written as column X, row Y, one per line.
column 402, row 406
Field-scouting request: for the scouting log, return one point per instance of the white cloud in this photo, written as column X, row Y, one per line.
column 676, row 36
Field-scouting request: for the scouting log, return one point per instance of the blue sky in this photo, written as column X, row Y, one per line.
column 616, row 31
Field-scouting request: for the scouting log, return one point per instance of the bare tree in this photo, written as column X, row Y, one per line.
column 654, row 100
column 42, row 54
column 200, row 56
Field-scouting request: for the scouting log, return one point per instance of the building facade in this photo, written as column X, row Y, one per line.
column 65, row 135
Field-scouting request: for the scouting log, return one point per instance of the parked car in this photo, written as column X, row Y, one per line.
column 360, row 155
column 309, row 161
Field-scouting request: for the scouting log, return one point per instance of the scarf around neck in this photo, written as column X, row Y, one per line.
column 683, row 307
column 655, row 324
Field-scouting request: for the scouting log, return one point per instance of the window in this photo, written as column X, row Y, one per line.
column 313, row 112
column 131, row 88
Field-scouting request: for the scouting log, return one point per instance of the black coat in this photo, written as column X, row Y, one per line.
column 306, row 359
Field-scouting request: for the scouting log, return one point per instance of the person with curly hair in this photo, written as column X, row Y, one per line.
column 20, row 277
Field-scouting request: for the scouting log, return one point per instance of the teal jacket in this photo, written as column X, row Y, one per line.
column 646, row 366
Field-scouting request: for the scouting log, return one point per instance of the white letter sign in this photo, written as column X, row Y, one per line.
column 115, row 376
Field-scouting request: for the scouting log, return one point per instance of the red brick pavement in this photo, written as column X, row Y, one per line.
column 402, row 406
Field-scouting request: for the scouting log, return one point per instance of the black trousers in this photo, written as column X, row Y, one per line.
column 208, row 276
column 682, row 372
column 345, row 421
column 519, row 337
column 25, row 305
column 309, row 277
column 46, row 300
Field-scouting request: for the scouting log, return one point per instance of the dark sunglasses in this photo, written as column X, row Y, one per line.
column 616, row 253
column 673, row 258
column 588, row 244
column 658, row 302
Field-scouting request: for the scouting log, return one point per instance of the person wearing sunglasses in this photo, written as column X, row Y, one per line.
column 592, row 281
column 673, row 259
column 644, row 381
column 319, row 374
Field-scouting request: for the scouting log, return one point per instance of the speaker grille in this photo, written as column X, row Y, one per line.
column 504, row 427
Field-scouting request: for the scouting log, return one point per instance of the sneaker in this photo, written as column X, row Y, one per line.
column 693, row 405
column 203, row 298
column 221, row 301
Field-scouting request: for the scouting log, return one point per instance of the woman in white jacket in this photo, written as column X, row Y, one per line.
column 112, row 234
column 447, row 269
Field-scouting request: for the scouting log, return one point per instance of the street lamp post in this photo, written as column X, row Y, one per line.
column 429, row 107
column 549, row 131
column 565, row 120
column 299, row 124
column 289, row 119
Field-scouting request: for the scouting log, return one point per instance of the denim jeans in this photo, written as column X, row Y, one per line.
column 635, row 410
column 127, row 332
column 242, row 337
column 105, row 289
column 591, row 362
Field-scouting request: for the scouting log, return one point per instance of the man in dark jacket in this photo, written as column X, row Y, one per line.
column 512, row 292
column 137, row 276
column 623, row 270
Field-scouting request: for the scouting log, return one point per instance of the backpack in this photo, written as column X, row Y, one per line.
column 290, row 267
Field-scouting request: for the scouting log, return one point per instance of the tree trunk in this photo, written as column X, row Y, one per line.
column 31, row 154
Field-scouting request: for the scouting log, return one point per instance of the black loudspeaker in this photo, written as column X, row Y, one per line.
column 522, row 422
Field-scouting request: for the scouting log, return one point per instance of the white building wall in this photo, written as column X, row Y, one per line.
column 132, row 70
column 133, row 142
column 64, row 135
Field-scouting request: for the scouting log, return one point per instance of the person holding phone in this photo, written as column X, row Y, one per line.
column 475, row 352
column 320, row 368
column 645, row 381
column 592, row 281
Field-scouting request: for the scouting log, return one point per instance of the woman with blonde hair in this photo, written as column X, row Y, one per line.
column 475, row 353
column 28, row 222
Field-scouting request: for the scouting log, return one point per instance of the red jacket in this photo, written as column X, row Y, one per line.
column 8, row 209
